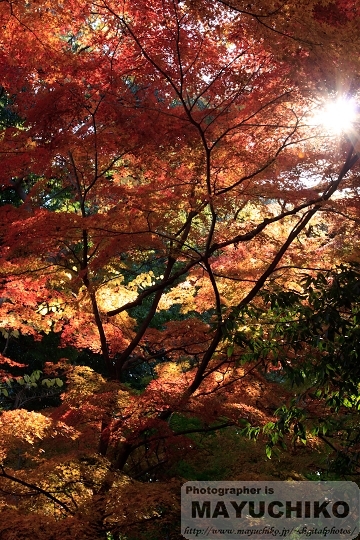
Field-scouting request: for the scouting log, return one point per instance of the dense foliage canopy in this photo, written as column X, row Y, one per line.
column 178, row 258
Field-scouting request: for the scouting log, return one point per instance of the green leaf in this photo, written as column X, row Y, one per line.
column 35, row 376
column 59, row 382
column 230, row 351
column 268, row 451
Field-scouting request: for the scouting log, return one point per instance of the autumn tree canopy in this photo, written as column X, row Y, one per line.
column 161, row 171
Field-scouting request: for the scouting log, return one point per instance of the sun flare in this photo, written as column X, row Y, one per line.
column 337, row 116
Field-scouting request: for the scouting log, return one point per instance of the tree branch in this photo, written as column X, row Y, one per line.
column 37, row 489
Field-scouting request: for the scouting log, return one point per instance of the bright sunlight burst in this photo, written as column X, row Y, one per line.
column 337, row 116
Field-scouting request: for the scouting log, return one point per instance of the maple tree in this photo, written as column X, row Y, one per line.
column 160, row 167
column 313, row 339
